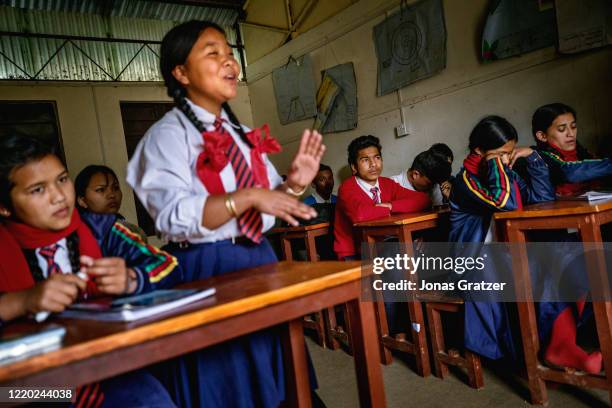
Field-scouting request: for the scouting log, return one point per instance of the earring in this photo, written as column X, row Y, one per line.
column 5, row 212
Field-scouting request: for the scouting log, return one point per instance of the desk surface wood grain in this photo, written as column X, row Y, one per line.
column 300, row 228
column 556, row 208
column 237, row 293
column 400, row 219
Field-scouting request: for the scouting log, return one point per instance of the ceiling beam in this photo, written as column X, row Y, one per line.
column 231, row 4
column 265, row 27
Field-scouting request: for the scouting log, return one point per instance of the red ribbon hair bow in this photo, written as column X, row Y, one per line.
column 262, row 143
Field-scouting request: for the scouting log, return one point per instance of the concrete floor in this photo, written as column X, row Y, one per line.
column 403, row 388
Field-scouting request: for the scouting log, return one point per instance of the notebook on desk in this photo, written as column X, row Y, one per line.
column 137, row 307
column 20, row 345
column 589, row 196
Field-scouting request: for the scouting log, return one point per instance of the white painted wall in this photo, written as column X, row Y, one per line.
column 90, row 120
column 443, row 108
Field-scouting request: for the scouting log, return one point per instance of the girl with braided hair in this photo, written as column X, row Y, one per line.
column 207, row 182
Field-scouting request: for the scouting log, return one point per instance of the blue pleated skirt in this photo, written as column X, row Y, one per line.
column 244, row 372
column 492, row 329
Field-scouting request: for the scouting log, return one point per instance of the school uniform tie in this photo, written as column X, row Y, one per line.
column 250, row 221
column 375, row 195
column 48, row 253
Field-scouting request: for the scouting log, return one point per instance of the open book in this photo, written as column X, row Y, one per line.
column 590, row 196
column 137, row 307
column 17, row 346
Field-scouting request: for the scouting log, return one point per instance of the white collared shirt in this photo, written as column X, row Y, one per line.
column 319, row 199
column 435, row 194
column 365, row 186
column 163, row 173
column 61, row 258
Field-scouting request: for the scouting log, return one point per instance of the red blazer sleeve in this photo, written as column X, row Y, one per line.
column 405, row 201
column 357, row 206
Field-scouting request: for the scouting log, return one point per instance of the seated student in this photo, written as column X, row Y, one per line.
column 573, row 170
column 323, row 184
column 45, row 243
column 366, row 195
column 428, row 170
column 487, row 184
column 441, row 149
column 98, row 191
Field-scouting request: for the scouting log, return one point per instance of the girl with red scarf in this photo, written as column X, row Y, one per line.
column 45, row 243
column 487, row 184
column 213, row 192
column 573, row 170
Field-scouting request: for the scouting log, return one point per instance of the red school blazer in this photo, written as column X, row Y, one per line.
column 354, row 205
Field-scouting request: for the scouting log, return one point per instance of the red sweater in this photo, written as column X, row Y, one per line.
column 354, row 206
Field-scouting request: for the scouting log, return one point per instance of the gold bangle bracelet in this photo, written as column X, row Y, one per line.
column 295, row 193
column 231, row 206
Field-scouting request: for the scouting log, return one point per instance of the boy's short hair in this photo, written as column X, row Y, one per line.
column 323, row 167
column 362, row 142
column 435, row 167
column 17, row 150
column 442, row 149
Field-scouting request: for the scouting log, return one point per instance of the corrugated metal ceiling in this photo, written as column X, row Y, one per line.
column 80, row 60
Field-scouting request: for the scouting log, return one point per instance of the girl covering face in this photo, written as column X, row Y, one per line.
column 207, row 182
column 487, row 184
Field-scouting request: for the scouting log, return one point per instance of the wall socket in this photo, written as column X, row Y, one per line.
column 401, row 130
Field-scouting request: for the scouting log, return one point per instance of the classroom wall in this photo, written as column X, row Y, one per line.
column 90, row 120
column 445, row 107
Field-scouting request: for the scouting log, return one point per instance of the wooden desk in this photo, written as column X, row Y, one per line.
column 402, row 226
column 587, row 218
column 323, row 322
column 246, row 301
column 306, row 232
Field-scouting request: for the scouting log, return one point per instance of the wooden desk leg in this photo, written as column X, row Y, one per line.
column 311, row 247
column 365, row 353
column 415, row 311
column 381, row 314
column 286, row 246
column 527, row 318
column 598, row 280
column 296, row 365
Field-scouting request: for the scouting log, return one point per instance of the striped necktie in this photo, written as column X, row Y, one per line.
column 48, row 253
column 250, row 221
column 375, row 196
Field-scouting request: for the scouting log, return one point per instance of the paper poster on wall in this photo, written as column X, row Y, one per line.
column 343, row 115
column 583, row 24
column 294, row 89
column 515, row 27
column 410, row 45
column 326, row 96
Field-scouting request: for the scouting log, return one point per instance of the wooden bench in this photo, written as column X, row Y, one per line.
column 435, row 304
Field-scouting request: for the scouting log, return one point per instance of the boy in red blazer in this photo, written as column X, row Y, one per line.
column 367, row 196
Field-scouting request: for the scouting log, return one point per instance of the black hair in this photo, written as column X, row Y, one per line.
column 362, row 142
column 17, row 150
column 545, row 115
column 443, row 150
column 434, row 166
column 323, row 167
column 84, row 177
column 175, row 48
column 491, row 133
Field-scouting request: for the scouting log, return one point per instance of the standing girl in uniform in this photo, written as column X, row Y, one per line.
column 207, row 182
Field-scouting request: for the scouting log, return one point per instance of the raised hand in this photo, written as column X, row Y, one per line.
column 305, row 164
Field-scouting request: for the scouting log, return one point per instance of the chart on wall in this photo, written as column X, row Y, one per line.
column 515, row 27
column 583, row 24
column 410, row 45
column 343, row 113
column 294, row 89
